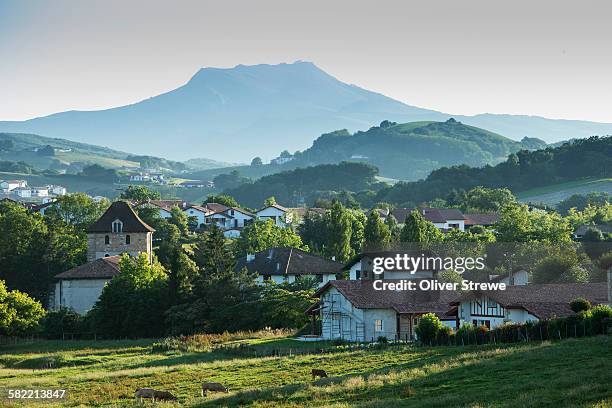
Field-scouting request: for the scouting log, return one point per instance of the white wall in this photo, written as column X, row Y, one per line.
column 274, row 213
column 78, row 294
column 510, row 315
column 389, row 318
column 292, row 278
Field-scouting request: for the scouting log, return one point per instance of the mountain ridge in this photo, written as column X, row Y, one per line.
column 245, row 111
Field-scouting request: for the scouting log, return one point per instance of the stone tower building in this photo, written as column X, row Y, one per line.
column 119, row 231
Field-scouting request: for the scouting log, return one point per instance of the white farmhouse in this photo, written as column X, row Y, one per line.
column 287, row 265
column 79, row 288
column 280, row 215
column 10, row 185
column 444, row 219
column 22, row 192
column 523, row 303
column 353, row 310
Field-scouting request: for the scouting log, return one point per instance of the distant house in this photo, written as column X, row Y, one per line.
column 40, row 191
column 199, row 213
column 444, row 219
column 119, row 230
column 57, row 190
column 289, row 265
column 485, row 220
column 523, row 303
column 231, row 220
column 10, row 185
column 353, row 310
column 165, row 206
column 582, row 229
column 22, row 192
column 79, row 288
column 280, row 215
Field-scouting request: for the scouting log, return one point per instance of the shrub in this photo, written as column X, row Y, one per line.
column 465, row 334
column 382, row 340
column 428, row 327
column 63, row 320
column 600, row 316
column 579, row 305
column 444, row 335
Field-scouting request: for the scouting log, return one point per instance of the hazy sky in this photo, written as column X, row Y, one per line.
column 540, row 57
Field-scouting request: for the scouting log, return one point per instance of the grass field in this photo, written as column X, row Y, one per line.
column 568, row 373
column 557, row 192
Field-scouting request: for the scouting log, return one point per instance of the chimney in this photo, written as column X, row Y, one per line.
column 250, row 257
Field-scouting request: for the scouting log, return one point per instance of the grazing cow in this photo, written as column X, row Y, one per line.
column 164, row 396
column 144, row 393
column 318, row 373
column 154, row 395
column 213, row 386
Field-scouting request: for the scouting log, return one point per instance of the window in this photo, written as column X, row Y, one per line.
column 117, row 226
column 357, row 275
column 127, row 240
column 106, row 240
column 378, row 325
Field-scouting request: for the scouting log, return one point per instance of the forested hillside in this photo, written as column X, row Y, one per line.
column 410, row 151
column 583, row 158
column 295, row 187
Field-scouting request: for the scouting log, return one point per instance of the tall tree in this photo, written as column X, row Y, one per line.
column 339, row 234
column 377, row 234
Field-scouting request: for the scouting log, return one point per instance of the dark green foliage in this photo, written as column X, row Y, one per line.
column 139, row 194
column 376, row 233
column 230, row 180
column 99, row 173
column 404, row 151
column 523, row 170
column 289, row 187
column 580, row 202
column 133, row 303
column 62, row 321
column 16, row 167
column 46, row 151
column 224, row 199
column 580, row 305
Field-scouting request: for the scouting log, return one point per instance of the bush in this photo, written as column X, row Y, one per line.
column 444, row 335
column 63, row 320
column 382, row 340
column 428, row 327
column 579, row 305
column 600, row 316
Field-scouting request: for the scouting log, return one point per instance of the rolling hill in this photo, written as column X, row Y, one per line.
column 410, row 151
column 246, row 111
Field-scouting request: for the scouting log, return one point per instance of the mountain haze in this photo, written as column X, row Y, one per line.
column 238, row 113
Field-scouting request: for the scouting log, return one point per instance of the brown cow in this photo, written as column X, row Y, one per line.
column 164, row 396
column 154, row 395
column 318, row 373
column 213, row 386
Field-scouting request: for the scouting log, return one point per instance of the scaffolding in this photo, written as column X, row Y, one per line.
column 337, row 323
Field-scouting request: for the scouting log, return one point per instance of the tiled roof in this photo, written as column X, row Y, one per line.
column 103, row 268
column 302, row 211
column 289, row 261
column 545, row 300
column 481, row 219
column 277, row 206
column 361, row 294
column 215, row 207
column 122, row 211
column 168, row 204
column 435, row 215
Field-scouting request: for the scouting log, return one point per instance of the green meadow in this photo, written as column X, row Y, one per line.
column 568, row 373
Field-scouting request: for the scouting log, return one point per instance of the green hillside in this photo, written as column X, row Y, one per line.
column 553, row 194
column 410, row 151
column 568, row 373
column 28, row 148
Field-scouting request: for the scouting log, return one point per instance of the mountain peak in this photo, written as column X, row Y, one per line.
column 298, row 66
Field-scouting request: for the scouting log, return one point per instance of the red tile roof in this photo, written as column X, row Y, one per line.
column 122, row 211
column 103, row 268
